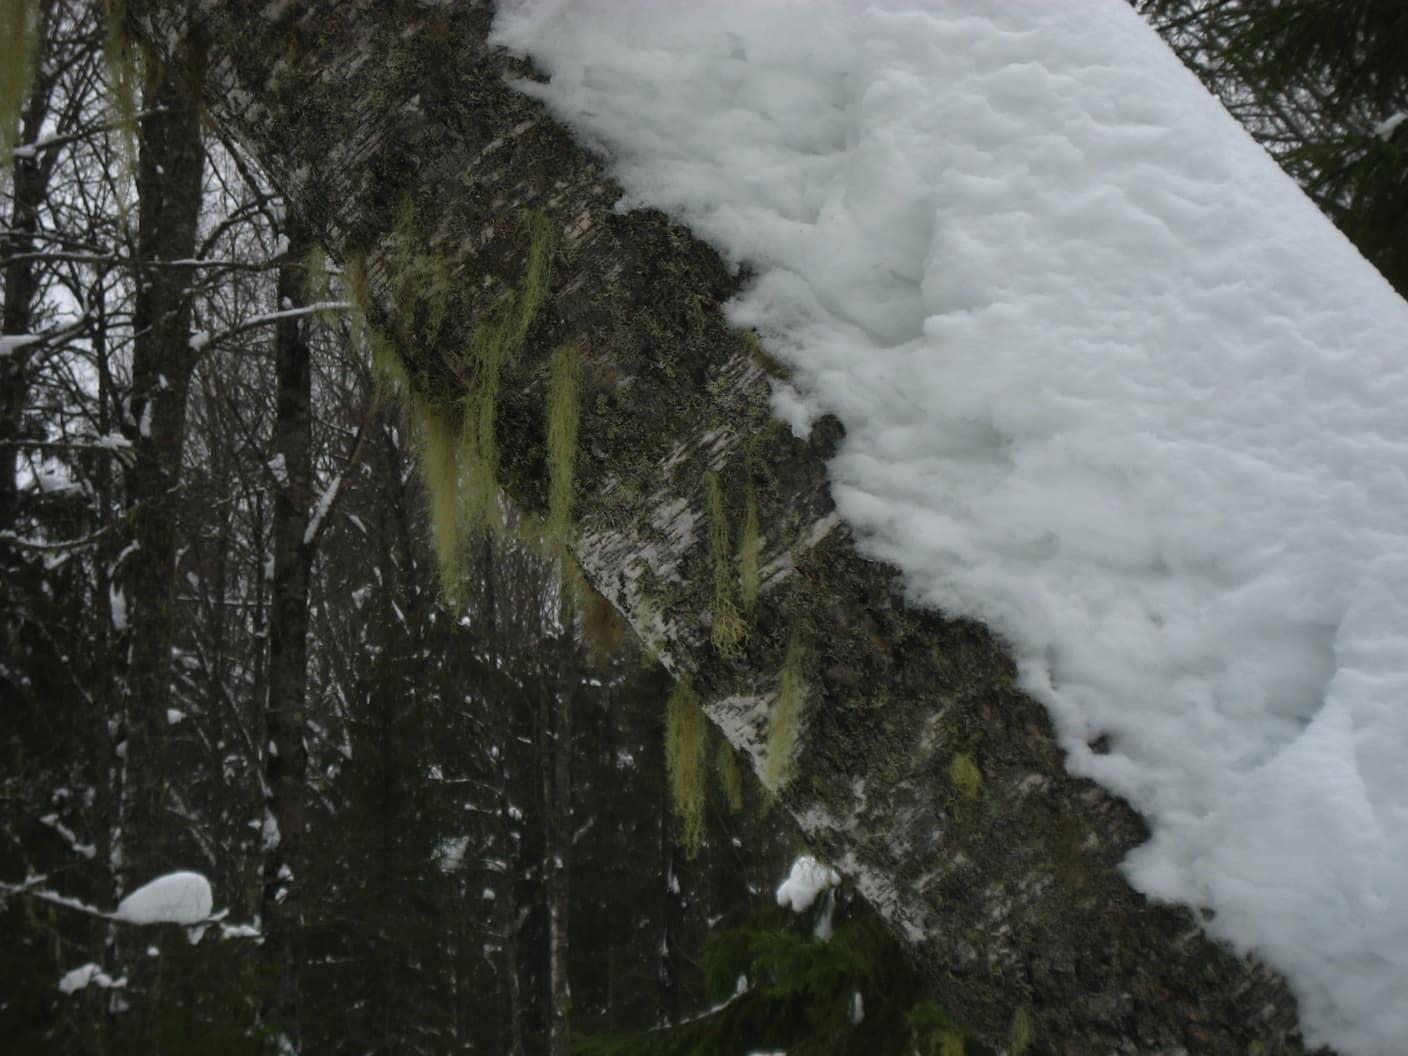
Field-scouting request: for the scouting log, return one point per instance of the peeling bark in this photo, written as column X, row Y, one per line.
column 1010, row 899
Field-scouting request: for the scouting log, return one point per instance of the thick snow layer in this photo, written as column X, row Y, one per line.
column 807, row 879
column 1111, row 384
column 176, row 898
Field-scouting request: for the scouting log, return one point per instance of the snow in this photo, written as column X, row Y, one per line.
column 1385, row 128
column 80, row 978
column 320, row 510
column 176, row 898
column 12, row 343
column 1110, row 384
column 807, row 879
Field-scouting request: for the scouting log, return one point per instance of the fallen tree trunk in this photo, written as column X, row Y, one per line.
column 919, row 767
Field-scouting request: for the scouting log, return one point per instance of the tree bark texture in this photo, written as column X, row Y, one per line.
column 1008, row 892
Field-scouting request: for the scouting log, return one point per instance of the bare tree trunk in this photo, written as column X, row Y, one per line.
column 1011, row 901
column 555, row 759
column 29, row 181
column 170, row 163
column 285, row 717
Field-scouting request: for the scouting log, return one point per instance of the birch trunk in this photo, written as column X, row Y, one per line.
column 1006, row 890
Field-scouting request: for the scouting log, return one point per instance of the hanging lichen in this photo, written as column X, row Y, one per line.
column 420, row 285
column 19, row 33
column 964, row 775
column 749, row 545
column 1023, row 1033
column 494, row 346
column 536, row 278
column 122, row 65
column 730, row 779
column 317, row 282
column 603, row 630
column 563, row 415
column 479, row 451
column 685, row 741
column 439, row 445
column 728, row 628
column 785, row 725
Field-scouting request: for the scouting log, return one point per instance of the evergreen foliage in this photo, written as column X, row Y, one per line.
column 1316, row 82
column 779, row 988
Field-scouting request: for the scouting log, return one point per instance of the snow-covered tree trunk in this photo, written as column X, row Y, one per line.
column 934, row 784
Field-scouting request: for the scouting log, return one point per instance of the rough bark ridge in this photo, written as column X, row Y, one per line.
column 921, row 770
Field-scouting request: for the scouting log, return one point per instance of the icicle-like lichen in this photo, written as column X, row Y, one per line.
column 563, row 413
column 124, row 73
column 420, row 285
column 685, row 740
column 317, row 281
column 748, row 549
column 19, row 32
column 964, row 775
column 439, row 443
column 730, row 780
column 786, row 723
column 728, row 627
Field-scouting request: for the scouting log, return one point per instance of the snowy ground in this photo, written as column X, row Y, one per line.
column 1111, row 384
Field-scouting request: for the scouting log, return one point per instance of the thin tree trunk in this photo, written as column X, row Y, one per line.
column 1011, row 902
column 29, row 181
column 168, row 197
column 285, row 717
column 170, row 163
column 555, row 760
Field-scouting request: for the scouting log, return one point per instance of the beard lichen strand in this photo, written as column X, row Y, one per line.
column 686, row 738
column 784, row 726
column 19, row 32
column 563, row 418
column 727, row 628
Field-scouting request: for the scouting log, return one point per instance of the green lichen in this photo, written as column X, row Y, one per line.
column 935, row 1033
column 537, row 276
column 19, row 32
column 728, row 627
column 563, row 414
column 388, row 369
column 420, row 285
column 749, row 547
column 1023, row 1032
column 730, row 779
column 685, row 742
column 439, row 459
column 964, row 775
column 603, row 630
column 124, row 74
column 764, row 360
column 785, row 725
column 317, row 281
column 479, row 451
